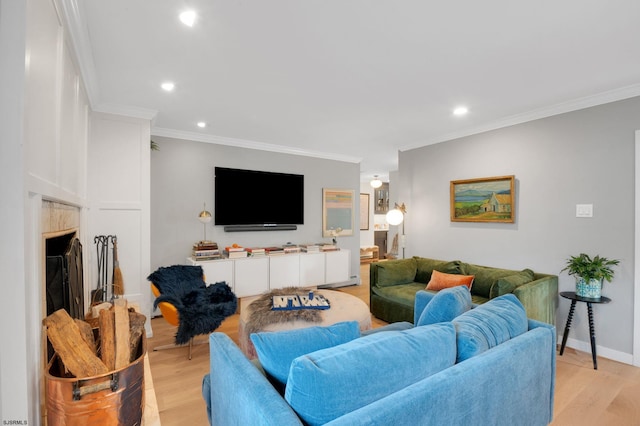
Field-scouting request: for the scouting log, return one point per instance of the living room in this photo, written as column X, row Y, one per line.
column 579, row 151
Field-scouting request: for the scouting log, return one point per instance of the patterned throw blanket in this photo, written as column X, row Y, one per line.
column 262, row 315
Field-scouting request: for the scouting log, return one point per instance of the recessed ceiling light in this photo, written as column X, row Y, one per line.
column 461, row 110
column 168, row 86
column 202, row 124
column 188, row 18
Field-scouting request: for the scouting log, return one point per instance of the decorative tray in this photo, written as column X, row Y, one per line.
column 290, row 302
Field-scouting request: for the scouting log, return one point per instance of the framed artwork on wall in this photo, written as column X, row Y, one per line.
column 490, row 199
column 337, row 212
column 364, row 212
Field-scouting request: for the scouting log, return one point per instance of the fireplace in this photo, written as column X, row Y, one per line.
column 64, row 279
column 62, row 251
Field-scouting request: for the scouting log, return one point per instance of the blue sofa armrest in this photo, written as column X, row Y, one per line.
column 422, row 299
column 237, row 393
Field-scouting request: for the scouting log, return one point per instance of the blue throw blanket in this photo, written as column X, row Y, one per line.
column 201, row 308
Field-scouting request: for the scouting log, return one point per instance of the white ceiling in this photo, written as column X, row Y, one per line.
column 355, row 80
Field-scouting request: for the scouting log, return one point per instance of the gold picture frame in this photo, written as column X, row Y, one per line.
column 338, row 212
column 490, row 199
column 364, row 211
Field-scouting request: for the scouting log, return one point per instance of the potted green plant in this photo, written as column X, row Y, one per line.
column 590, row 273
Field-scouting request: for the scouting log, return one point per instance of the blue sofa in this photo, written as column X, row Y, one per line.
column 489, row 365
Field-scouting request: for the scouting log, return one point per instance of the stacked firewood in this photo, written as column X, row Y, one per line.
column 83, row 354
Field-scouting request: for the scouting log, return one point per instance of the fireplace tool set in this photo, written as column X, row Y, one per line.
column 107, row 256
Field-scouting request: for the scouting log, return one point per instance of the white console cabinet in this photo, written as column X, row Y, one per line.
column 254, row 275
column 250, row 276
column 337, row 266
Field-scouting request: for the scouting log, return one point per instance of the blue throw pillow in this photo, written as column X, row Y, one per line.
column 488, row 325
column 446, row 305
column 276, row 350
column 329, row 383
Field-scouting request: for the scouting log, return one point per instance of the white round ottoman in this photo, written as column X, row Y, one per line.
column 344, row 307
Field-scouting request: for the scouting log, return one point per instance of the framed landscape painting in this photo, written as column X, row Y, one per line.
column 490, row 199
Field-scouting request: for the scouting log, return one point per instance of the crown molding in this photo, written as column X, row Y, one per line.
column 76, row 27
column 128, row 111
column 243, row 143
column 561, row 108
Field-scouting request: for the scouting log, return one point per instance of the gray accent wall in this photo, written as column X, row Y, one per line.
column 182, row 179
column 581, row 157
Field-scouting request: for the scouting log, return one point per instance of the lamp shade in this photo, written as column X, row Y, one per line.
column 204, row 216
column 395, row 217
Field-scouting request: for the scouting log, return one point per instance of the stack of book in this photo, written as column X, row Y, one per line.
column 291, row 248
column 274, row 250
column 329, row 247
column 256, row 251
column 310, row 248
column 205, row 250
column 235, row 252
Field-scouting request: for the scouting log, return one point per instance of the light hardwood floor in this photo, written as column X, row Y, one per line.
column 584, row 396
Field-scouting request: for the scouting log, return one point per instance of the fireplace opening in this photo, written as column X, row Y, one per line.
column 64, row 277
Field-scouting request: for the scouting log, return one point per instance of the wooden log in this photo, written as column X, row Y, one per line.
column 86, row 332
column 136, row 327
column 107, row 338
column 65, row 336
column 122, row 335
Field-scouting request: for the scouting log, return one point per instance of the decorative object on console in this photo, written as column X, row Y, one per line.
column 590, row 273
column 396, row 217
column 490, row 199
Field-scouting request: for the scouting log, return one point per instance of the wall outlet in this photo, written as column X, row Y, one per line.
column 584, row 210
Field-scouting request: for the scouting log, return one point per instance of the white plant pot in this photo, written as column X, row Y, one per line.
column 591, row 289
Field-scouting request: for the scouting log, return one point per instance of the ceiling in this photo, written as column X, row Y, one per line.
column 353, row 80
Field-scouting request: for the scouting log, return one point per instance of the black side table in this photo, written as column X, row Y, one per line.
column 571, row 295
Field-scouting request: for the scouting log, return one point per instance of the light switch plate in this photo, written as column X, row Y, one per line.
column 584, row 210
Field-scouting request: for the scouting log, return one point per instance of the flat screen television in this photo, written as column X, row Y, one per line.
column 258, row 198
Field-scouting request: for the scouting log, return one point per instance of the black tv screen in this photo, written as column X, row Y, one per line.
column 252, row 197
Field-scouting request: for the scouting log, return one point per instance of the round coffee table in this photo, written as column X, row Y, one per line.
column 344, row 307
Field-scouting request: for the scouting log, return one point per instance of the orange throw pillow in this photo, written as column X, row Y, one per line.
column 440, row 280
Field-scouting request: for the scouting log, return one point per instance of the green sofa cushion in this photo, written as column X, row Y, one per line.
column 509, row 283
column 426, row 266
column 404, row 294
column 395, row 272
column 484, row 277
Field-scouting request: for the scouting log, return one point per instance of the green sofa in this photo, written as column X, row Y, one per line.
column 394, row 283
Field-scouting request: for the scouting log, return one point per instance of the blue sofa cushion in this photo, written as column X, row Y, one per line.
column 488, row 325
column 276, row 350
column 329, row 383
column 446, row 305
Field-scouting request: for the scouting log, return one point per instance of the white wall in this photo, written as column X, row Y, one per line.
column 14, row 387
column 44, row 123
column 119, row 188
column 182, row 178
column 582, row 157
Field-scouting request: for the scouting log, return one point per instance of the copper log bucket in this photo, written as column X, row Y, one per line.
column 115, row 398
